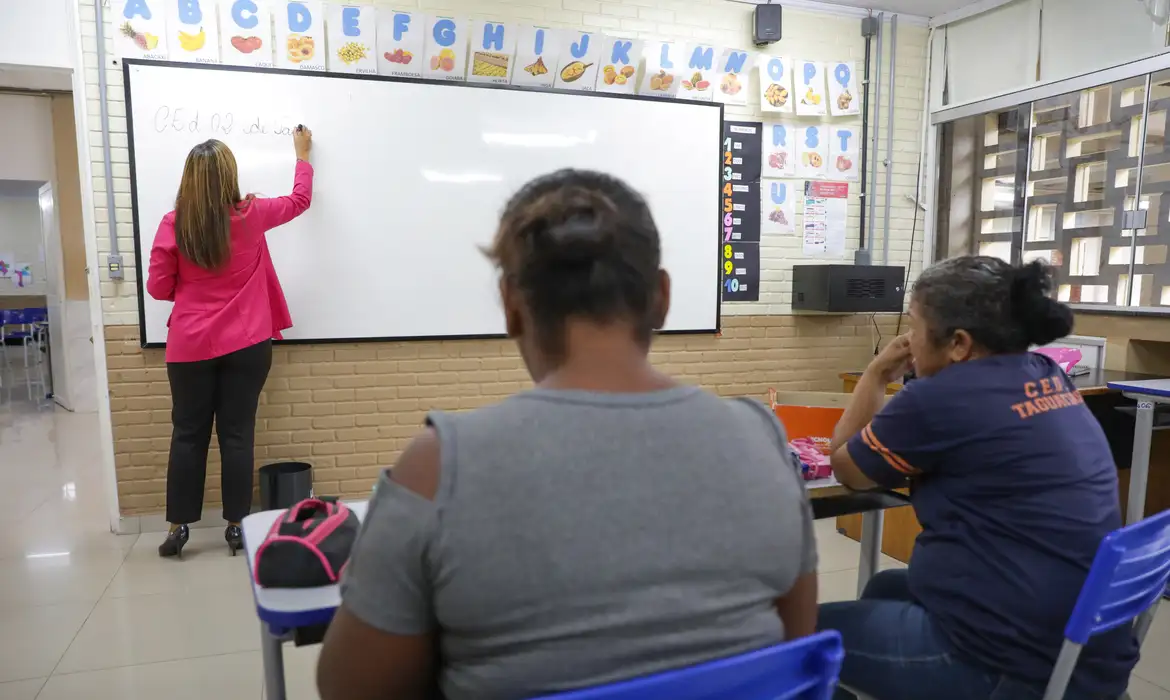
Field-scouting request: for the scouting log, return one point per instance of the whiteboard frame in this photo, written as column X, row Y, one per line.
column 127, row 64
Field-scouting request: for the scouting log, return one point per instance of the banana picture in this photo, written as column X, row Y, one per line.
column 193, row 42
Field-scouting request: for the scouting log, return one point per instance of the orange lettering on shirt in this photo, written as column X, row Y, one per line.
column 1019, row 409
column 1045, row 386
column 1031, row 406
column 1030, row 390
column 1058, row 382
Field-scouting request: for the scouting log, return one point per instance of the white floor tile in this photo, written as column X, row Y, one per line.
column 33, row 639
column 21, row 690
column 837, row 586
column 1144, row 690
column 57, row 577
column 1155, row 663
column 835, row 551
column 300, row 672
column 206, row 566
column 225, row 677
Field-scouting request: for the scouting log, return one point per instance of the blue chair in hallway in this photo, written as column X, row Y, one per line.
column 805, row 669
column 14, row 325
column 1125, row 583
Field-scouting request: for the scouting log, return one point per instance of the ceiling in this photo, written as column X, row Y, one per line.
column 922, row 8
column 19, row 188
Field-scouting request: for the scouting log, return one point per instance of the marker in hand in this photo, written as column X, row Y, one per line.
column 303, row 141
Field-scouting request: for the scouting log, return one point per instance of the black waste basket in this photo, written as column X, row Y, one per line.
column 285, row 483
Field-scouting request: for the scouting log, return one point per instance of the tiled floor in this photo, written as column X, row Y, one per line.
column 86, row 614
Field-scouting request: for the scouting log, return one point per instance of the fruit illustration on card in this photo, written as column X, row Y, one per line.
column 247, row 44
column 812, row 159
column 844, row 164
column 192, row 42
column 777, row 216
column 612, row 76
column 776, row 95
column 778, row 160
column 490, row 65
column 844, row 99
column 662, row 81
column 445, row 61
column 300, row 48
column 352, row 52
column 696, row 83
column 536, row 68
column 573, row 72
column 811, row 98
column 730, row 85
column 399, row 56
column 143, row 40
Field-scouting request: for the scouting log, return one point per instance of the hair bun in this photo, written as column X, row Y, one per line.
column 572, row 227
column 1044, row 318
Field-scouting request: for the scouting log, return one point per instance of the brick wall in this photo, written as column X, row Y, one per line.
column 350, row 408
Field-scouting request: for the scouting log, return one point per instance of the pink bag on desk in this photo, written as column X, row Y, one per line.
column 814, row 463
column 1067, row 358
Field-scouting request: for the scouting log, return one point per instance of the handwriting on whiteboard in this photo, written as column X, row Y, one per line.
column 187, row 120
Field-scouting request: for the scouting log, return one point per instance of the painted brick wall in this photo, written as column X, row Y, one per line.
column 350, row 409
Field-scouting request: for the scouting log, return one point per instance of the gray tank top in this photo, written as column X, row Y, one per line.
column 580, row 538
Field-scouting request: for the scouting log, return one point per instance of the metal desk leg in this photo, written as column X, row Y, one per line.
column 871, row 548
column 1139, row 470
column 273, row 653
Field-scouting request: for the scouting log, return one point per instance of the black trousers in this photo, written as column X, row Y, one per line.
column 225, row 390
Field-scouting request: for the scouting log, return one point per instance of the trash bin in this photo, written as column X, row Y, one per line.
column 285, row 483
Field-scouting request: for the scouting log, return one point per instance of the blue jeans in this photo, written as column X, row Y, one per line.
column 893, row 651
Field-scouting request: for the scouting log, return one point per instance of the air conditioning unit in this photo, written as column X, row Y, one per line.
column 848, row 288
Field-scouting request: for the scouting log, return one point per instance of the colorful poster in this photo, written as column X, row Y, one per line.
column 844, row 153
column 492, row 57
column 741, row 271
column 810, row 88
column 775, row 84
column 825, row 210
column 779, row 155
column 446, row 48
column 619, row 69
column 193, row 31
column 353, row 39
column 578, row 66
column 813, row 146
column 700, row 72
column 401, row 39
column 732, row 76
column 6, row 264
column 22, row 274
column 777, row 206
column 665, row 67
column 300, row 35
column 538, row 51
column 141, row 29
column 740, row 184
column 245, row 33
column 843, row 96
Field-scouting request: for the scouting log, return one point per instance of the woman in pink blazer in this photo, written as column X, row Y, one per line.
column 210, row 257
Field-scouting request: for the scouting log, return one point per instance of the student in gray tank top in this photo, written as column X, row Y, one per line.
column 608, row 524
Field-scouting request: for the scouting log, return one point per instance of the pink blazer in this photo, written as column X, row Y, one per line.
column 220, row 312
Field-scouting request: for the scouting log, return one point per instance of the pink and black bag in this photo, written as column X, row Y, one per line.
column 307, row 546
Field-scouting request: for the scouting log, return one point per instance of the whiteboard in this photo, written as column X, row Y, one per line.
column 411, row 178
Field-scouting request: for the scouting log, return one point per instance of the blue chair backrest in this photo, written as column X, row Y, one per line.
column 1128, row 575
column 12, row 317
column 36, row 315
column 806, row 668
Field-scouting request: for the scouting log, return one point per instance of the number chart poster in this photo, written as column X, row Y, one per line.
column 740, row 196
column 741, row 271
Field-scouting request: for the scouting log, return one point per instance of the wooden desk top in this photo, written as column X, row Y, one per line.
column 1091, row 384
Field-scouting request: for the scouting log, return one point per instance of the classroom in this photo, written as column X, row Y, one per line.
column 628, row 348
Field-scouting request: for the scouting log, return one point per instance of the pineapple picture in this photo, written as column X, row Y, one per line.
column 143, row 40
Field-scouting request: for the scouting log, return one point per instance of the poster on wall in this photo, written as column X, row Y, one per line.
column 741, row 271
column 843, row 97
column 245, row 34
column 812, row 143
column 843, row 152
column 493, row 51
column 538, row 51
column 446, row 48
column 775, row 84
column 300, row 36
column 810, row 88
column 141, row 29
column 740, row 181
column 22, row 275
column 664, row 69
column 193, row 31
column 777, row 206
column 778, row 158
column 401, row 41
column 825, row 210
column 619, row 70
column 578, row 65
column 732, row 77
column 696, row 83
column 6, row 264
column 353, row 39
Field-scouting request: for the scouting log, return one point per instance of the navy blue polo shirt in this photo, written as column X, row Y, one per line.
column 1015, row 487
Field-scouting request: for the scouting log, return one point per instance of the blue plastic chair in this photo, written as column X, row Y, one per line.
column 14, row 326
column 1126, row 582
column 806, row 669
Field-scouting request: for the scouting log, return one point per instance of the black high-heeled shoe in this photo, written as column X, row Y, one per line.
column 234, row 537
column 174, row 543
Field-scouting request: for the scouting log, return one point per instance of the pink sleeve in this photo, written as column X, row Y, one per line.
column 278, row 211
column 164, row 262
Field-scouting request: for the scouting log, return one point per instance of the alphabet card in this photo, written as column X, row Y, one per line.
column 620, row 59
column 538, row 51
column 578, row 69
column 193, row 27
column 700, row 71
column 810, row 88
column 353, row 39
column 446, row 48
column 813, row 145
column 300, row 35
column 843, row 152
column 245, row 33
column 779, row 156
column 732, row 77
column 141, row 29
column 401, row 38
column 665, row 66
column 775, row 84
column 843, row 98
column 777, row 206
column 493, row 52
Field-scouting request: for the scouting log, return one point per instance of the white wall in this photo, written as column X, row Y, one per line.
column 26, row 139
column 20, row 235
column 35, row 33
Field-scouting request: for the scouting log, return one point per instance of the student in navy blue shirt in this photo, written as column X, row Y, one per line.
column 1012, row 480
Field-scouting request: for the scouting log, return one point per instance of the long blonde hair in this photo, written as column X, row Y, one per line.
column 208, row 195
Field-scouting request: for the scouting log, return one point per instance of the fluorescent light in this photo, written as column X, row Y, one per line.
column 46, row 555
column 539, row 140
column 461, row 178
